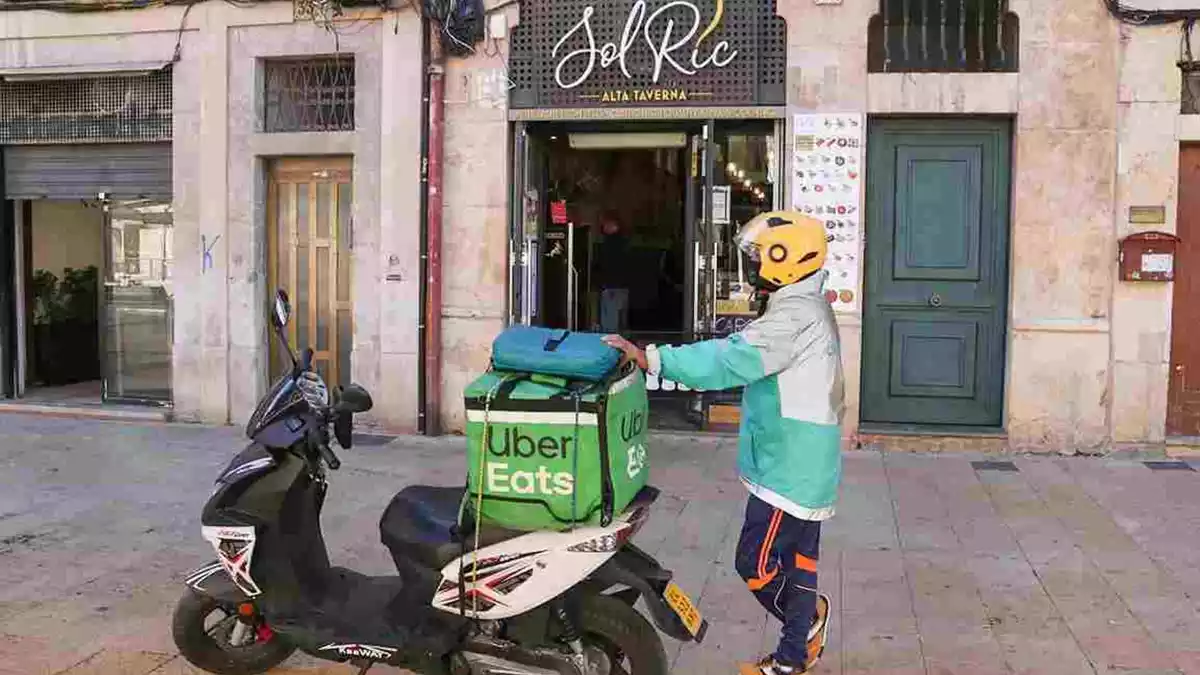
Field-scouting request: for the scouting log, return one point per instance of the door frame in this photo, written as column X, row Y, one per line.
column 522, row 302
column 1008, row 180
column 9, row 328
column 699, row 233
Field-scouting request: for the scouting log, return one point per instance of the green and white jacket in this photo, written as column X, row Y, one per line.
column 789, row 363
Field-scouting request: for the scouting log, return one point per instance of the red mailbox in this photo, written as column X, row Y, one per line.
column 1148, row 256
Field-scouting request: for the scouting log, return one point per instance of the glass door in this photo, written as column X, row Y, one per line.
column 747, row 184
column 136, row 305
column 526, row 227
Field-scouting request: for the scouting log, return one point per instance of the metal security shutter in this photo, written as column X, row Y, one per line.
column 121, row 170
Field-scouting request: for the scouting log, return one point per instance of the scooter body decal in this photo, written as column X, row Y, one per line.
column 357, row 651
column 235, row 552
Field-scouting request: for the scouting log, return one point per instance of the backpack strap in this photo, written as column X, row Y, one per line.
column 553, row 343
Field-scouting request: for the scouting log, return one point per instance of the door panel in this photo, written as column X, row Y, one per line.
column 937, row 270
column 933, row 357
column 137, row 306
column 937, row 208
column 310, row 238
column 526, row 228
column 1183, row 399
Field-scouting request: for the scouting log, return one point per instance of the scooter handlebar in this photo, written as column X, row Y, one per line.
column 331, row 459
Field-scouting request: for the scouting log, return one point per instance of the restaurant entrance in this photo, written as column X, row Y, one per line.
column 628, row 228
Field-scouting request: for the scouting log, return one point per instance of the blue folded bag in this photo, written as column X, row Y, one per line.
column 551, row 351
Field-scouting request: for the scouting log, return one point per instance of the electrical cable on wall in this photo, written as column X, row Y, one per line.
column 462, row 23
column 1140, row 17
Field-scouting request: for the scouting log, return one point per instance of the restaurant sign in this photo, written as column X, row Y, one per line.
column 630, row 53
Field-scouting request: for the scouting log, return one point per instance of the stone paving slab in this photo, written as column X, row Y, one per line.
column 1068, row 565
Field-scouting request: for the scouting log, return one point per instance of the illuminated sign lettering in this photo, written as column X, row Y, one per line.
column 669, row 45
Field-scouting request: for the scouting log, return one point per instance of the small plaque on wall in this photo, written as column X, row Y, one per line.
column 1148, row 215
column 827, row 2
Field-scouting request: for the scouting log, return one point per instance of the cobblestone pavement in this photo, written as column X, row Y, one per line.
column 935, row 565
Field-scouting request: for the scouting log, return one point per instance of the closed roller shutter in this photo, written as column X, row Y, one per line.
column 121, row 170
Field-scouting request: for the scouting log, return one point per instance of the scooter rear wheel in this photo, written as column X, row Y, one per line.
column 632, row 645
column 207, row 645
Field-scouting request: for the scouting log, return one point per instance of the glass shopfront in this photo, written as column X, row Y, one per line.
column 628, row 228
column 136, row 323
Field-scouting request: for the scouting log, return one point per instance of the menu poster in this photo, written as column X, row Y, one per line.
column 827, row 169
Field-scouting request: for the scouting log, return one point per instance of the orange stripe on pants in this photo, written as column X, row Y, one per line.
column 764, row 554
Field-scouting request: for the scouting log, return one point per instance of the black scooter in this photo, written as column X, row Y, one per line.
column 272, row 590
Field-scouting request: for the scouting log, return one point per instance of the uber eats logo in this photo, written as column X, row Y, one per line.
column 632, row 427
column 520, row 444
column 549, row 449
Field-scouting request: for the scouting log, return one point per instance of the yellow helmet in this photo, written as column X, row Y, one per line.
column 783, row 247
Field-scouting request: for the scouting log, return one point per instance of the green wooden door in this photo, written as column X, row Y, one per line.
column 936, row 272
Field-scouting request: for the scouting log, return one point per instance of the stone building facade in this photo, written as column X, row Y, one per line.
column 1093, row 105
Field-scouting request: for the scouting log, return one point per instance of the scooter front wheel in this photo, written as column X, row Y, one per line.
column 211, row 637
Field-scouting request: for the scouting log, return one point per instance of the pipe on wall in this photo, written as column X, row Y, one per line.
column 423, row 218
column 432, row 354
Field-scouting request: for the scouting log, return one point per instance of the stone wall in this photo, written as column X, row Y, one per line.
column 220, row 153
column 1095, row 107
column 1149, row 131
column 475, row 250
column 1097, row 130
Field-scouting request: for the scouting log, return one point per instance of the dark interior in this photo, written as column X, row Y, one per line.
column 644, row 190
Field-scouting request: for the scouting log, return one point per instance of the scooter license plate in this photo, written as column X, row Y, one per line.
column 683, row 606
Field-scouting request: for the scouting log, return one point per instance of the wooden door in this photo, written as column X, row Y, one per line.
column 1183, row 397
column 309, row 245
column 936, row 272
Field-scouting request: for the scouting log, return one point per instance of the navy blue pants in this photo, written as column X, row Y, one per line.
column 777, row 556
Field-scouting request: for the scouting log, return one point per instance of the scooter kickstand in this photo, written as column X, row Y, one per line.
column 363, row 666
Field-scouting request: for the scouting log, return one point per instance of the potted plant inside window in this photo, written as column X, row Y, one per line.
column 65, row 347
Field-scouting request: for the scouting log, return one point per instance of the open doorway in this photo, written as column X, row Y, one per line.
column 619, row 214
column 628, row 228
column 95, row 301
column 63, row 253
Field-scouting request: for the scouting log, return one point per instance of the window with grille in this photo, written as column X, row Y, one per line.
column 1189, row 100
column 105, row 109
column 309, row 94
column 943, row 36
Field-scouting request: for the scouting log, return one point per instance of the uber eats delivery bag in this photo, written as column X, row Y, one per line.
column 549, row 452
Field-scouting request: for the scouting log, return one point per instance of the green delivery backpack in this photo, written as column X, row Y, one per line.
column 550, row 453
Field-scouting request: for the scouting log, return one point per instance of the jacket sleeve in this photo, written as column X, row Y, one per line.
column 760, row 350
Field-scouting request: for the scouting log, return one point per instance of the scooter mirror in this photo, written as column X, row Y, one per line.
column 354, row 400
column 282, row 309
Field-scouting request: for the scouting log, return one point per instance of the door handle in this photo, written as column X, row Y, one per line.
column 935, row 300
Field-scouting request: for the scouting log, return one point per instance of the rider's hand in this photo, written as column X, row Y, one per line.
column 630, row 351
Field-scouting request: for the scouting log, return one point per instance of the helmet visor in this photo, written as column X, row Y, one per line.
column 747, row 237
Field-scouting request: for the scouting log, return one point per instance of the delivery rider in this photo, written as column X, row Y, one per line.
column 788, row 362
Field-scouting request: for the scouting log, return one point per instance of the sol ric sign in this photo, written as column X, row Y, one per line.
column 585, row 53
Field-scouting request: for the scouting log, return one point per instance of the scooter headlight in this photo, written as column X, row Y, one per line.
column 313, row 389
